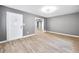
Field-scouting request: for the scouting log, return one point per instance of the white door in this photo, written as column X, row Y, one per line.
column 14, row 25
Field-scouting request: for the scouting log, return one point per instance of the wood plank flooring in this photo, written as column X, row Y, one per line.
column 42, row 43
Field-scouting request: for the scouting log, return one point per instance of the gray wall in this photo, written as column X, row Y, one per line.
column 2, row 25
column 68, row 24
column 28, row 20
column 45, row 25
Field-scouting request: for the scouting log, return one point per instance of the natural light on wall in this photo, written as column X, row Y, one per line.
column 48, row 9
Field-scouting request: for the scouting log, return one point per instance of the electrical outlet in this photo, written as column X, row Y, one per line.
column 27, row 32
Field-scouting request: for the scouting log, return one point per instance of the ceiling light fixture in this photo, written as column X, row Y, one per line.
column 48, row 9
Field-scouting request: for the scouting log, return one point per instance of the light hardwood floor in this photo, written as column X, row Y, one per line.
column 42, row 43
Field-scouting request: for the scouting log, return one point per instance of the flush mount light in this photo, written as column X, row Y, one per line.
column 48, row 9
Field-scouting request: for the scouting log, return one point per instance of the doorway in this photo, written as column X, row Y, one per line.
column 39, row 25
column 14, row 25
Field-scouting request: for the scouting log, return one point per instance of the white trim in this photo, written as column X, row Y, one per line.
column 18, row 38
column 63, row 34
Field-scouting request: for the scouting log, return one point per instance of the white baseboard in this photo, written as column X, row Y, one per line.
column 63, row 34
column 17, row 38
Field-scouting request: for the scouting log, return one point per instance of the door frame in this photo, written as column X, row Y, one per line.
column 42, row 19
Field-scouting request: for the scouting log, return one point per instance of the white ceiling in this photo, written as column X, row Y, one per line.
column 36, row 9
